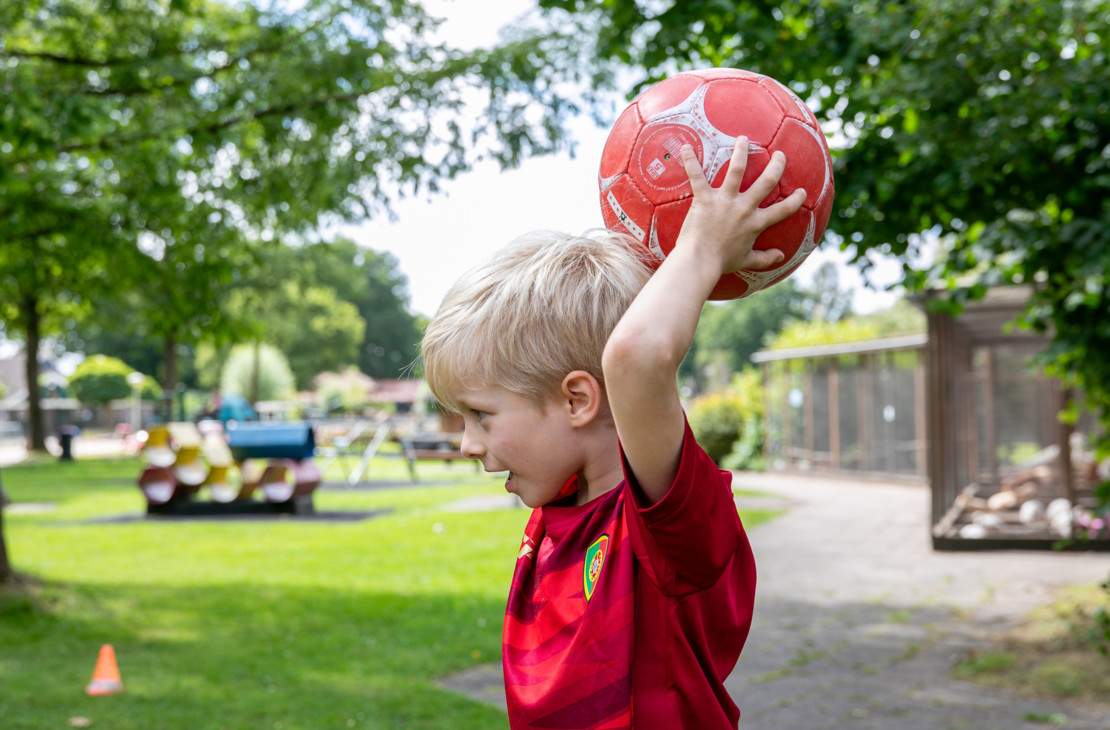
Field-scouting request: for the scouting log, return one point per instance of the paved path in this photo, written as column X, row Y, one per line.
column 858, row 621
column 84, row 447
column 12, row 452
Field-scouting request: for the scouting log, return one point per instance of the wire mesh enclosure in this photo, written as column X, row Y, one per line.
column 965, row 408
column 1005, row 470
column 857, row 408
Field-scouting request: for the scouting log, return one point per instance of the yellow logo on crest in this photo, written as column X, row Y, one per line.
column 595, row 561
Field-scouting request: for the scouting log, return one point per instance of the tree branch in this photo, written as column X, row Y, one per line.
column 67, row 60
column 84, row 62
column 214, row 126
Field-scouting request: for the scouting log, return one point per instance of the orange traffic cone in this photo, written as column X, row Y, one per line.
column 105, row 679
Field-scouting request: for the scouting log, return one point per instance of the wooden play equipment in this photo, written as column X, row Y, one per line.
column 271, row 460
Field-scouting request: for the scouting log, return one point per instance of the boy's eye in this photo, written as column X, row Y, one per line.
column 479, row 415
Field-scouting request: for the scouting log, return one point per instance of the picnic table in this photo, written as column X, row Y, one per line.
column 445, row 446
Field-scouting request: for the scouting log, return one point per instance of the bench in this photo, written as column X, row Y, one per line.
column 432, row 447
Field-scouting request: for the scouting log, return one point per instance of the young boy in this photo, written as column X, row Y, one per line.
column 633, row 589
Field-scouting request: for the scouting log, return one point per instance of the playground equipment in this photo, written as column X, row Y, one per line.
column 358, row 442
column 271, row 460
column 349, row 444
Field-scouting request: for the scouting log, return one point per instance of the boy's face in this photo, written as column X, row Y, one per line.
column 508, row 432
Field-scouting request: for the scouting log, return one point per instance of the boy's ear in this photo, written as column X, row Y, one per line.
column 582, row 397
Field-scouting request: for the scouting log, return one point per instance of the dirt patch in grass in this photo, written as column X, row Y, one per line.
column 1057, row 652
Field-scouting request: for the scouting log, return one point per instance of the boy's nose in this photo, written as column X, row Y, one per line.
column 470, row 447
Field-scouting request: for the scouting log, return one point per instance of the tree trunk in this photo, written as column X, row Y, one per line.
column 169, row 382
column 7, row 574
column 30, row 314
column 256, row 368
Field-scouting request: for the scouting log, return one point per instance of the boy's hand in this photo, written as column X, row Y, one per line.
column 724, row 222
column 647, row 346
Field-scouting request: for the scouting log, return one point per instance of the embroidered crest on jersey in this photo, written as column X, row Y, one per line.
column 595, row 561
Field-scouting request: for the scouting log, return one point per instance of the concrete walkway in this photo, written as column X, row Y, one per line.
column 84, row 447
column 12, row 452
column 858, row 621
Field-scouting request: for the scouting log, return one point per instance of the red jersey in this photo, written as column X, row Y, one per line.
column 624, row 616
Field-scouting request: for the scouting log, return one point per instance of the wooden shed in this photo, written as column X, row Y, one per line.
column 1005, row 470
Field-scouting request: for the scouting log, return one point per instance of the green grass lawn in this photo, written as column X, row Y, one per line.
column 275, row 623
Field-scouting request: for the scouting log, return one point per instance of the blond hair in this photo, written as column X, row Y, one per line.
column 540, row 308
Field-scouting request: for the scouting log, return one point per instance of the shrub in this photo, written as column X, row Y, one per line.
column 100, row 379
column 747, row 451
column 716, row 420
column 728, row 424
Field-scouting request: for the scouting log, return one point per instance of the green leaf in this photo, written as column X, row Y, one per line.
column 910, row 121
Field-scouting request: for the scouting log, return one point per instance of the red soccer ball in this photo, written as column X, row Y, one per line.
column 644, row 188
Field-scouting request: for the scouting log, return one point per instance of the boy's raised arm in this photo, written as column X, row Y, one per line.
column 645, row 349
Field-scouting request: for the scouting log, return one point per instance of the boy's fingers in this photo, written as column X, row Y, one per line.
column 737, row 165
column 770, row 176
column 764, row 259
column 693, row 169
column 784, row 208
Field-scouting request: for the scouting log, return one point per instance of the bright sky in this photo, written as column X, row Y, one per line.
column 436, row 239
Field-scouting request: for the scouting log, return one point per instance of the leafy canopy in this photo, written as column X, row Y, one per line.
column 984, row 126
column 148, row 147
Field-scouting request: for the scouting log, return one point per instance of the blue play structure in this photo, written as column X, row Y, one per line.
column 266, row 440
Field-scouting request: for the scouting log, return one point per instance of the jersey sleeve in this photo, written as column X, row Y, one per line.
column 686, row 540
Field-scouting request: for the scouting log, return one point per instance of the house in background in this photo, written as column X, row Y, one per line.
column 58, row 408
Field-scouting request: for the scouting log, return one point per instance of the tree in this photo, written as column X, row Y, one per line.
column 369, row 280
column 901, row 319
column 24, row 273
column 827, row 300
column 7, row 573
column 112, row 324
column 257, row 372
column 316, row 330
column 145, row 145
column 731, row 332
column 982, row 125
